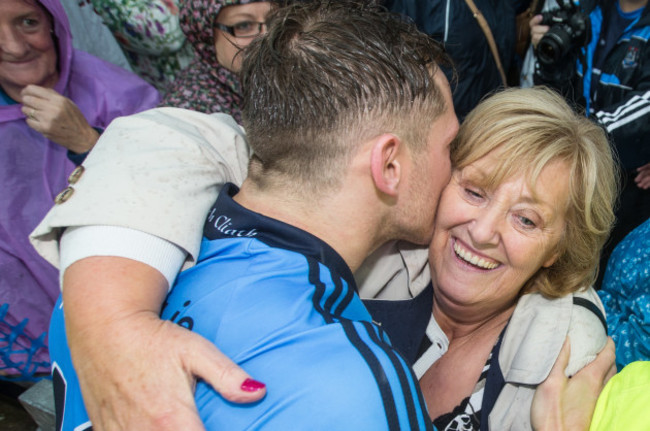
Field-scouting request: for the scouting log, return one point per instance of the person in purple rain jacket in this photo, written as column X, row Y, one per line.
column 54, row 103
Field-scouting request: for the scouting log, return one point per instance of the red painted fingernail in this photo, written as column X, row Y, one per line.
column 251, row 385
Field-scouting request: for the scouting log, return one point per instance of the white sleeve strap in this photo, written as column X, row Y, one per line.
column 86, row 241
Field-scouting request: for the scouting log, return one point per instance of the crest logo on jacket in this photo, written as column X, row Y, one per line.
column 631, row 57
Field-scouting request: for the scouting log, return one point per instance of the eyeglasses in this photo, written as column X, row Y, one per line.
column 244, row 29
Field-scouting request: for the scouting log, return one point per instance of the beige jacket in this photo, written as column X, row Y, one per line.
column 531, row 344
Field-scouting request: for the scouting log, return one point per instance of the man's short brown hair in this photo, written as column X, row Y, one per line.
column 329, row 75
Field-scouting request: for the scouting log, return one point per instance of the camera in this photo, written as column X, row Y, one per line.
column 570, row 29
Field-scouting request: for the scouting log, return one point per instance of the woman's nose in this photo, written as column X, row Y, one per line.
column 485, row 226
column 12, row 43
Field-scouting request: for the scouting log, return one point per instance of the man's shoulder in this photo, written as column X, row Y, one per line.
column 250, row 264
column 236, row 273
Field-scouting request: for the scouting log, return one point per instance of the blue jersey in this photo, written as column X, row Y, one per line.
column 283, row 305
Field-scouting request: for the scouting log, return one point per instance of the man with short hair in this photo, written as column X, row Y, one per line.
column 349, row 153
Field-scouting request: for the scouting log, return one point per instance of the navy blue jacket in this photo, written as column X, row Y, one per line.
column 452, row 23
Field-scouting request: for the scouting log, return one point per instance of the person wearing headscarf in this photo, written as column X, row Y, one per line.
column 150, row 35
column 217, row 30
column 54, row 103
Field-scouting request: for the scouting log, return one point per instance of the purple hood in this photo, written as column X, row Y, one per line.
column 33, row 171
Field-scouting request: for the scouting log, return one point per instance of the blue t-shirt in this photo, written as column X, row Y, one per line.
column 5, row 100
column 283, row 305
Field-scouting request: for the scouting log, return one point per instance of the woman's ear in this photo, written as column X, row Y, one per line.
column 550, row 261
column 385, row 163
column 553, row 257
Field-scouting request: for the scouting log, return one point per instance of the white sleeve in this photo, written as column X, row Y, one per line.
column 86, row 241
column 157, row 172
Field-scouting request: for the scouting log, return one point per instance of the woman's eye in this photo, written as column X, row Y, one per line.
column 243, row 26
column 525, row 221
column 473, row 193
column 30, row 22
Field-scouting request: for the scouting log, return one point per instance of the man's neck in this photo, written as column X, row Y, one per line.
column 339, row 221
column 631, row 5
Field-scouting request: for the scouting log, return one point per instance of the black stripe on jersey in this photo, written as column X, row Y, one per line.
column 59, row 385
column 369, row 356
column 338, row 289
column 60, row 390
column 427, row 420
column 326, row 312
column 366, row 352
column 405, row 381
column 314, row 279
column 354, row 338
column 349, row 294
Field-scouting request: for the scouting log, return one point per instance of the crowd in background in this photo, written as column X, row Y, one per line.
column 91, row 61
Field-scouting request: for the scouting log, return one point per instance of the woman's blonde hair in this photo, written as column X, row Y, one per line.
column 532, row 128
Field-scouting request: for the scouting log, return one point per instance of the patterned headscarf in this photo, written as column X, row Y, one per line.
column 205, row 85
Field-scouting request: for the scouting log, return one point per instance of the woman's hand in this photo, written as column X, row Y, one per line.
column 57, row 118
column 561, row 403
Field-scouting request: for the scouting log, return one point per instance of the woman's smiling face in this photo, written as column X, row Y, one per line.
column 488, row 243
column 27, row 51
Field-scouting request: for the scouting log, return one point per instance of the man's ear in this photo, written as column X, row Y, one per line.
column 385, row 163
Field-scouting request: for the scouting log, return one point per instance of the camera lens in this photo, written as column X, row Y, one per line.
column 555, row 44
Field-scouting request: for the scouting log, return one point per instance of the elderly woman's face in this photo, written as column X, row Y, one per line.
column 245, row 19
column 27, row 52
column 488, row 243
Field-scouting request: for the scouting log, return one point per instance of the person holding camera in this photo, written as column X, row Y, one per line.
column 598, row 56
column 480, row 68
